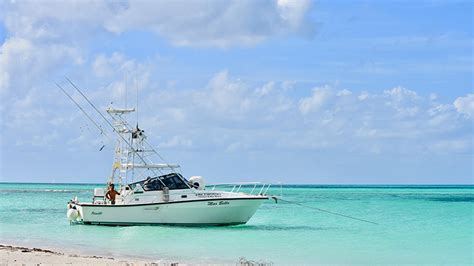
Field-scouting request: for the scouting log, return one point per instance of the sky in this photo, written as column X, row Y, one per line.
column 322, row 92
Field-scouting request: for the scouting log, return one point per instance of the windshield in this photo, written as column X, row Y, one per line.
column 172, row 181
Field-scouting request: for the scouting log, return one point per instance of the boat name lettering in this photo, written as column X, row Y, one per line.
column 208, row 195
column 96, row 213
column 222, row 202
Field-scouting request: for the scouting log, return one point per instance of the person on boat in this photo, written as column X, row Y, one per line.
column 111, row 193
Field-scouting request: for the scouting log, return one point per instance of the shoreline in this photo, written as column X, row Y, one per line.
column 18, row 255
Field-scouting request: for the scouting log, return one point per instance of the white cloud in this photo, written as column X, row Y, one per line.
column 215, row 23
column 13, row 54
column 125, row 76
column 404, row 101
column 19, row 56
column 288, row 85
column 189, row 23
column 363, row 96
column 226, row 95
column 293, row 12
column 234, row 147
column 175, row 142
column 465, row 105
column 400, row 94
column 236, row 115
column 105, row 67
column 344, row 92
column 265, row 89
column 316, row 101
column 449, row 146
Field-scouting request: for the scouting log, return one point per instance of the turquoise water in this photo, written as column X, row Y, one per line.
column 417, row 224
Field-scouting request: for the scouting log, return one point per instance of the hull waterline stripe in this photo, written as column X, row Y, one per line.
column 168, row 224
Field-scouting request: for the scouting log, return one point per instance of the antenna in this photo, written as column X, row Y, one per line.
column 126, row 94
column 136, row 89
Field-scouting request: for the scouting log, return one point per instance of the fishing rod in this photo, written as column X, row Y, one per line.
column 113, row 118
column 93, row 106
column 111, row 125
column 102, row 132
column 326, row 211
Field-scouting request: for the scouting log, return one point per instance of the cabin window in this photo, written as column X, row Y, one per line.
column 152, row 184
column 172, row 181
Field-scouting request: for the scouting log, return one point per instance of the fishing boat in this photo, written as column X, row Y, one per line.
column 155, row 192
column 152, row 191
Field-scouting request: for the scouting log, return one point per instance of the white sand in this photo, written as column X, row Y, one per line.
column 11, row 255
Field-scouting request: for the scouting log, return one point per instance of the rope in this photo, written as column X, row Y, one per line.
column 330, row 212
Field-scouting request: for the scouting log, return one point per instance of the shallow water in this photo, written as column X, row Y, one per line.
column 417, row 224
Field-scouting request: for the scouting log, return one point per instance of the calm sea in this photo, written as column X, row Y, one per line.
column 417, row 225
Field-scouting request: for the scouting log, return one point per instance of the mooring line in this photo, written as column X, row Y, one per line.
column 330, row 212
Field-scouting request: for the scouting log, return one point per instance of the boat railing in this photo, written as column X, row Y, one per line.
column 251, row 188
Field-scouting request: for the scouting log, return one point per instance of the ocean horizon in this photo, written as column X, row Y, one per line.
column 416, row 224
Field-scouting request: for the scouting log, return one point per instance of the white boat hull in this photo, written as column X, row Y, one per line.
column 230, row 211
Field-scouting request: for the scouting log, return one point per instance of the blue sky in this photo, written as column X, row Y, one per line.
column 290, row 91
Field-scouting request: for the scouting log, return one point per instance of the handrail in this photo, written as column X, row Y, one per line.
column 235, row 183
column 237, row 187
column 254, row 186
column 264, row 193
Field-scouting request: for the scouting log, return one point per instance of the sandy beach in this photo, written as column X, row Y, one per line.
column 13, row 255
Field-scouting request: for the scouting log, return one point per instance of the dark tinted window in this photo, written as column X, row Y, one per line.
column 152, row 184
column 172, row 181
column 168, row 182
column 178, row 179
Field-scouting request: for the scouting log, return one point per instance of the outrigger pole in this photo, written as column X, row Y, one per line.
column 106, row 120
column 113, row 118
column 83, row 111
column 112, row 126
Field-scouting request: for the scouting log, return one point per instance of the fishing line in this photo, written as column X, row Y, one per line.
column 326, row 211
